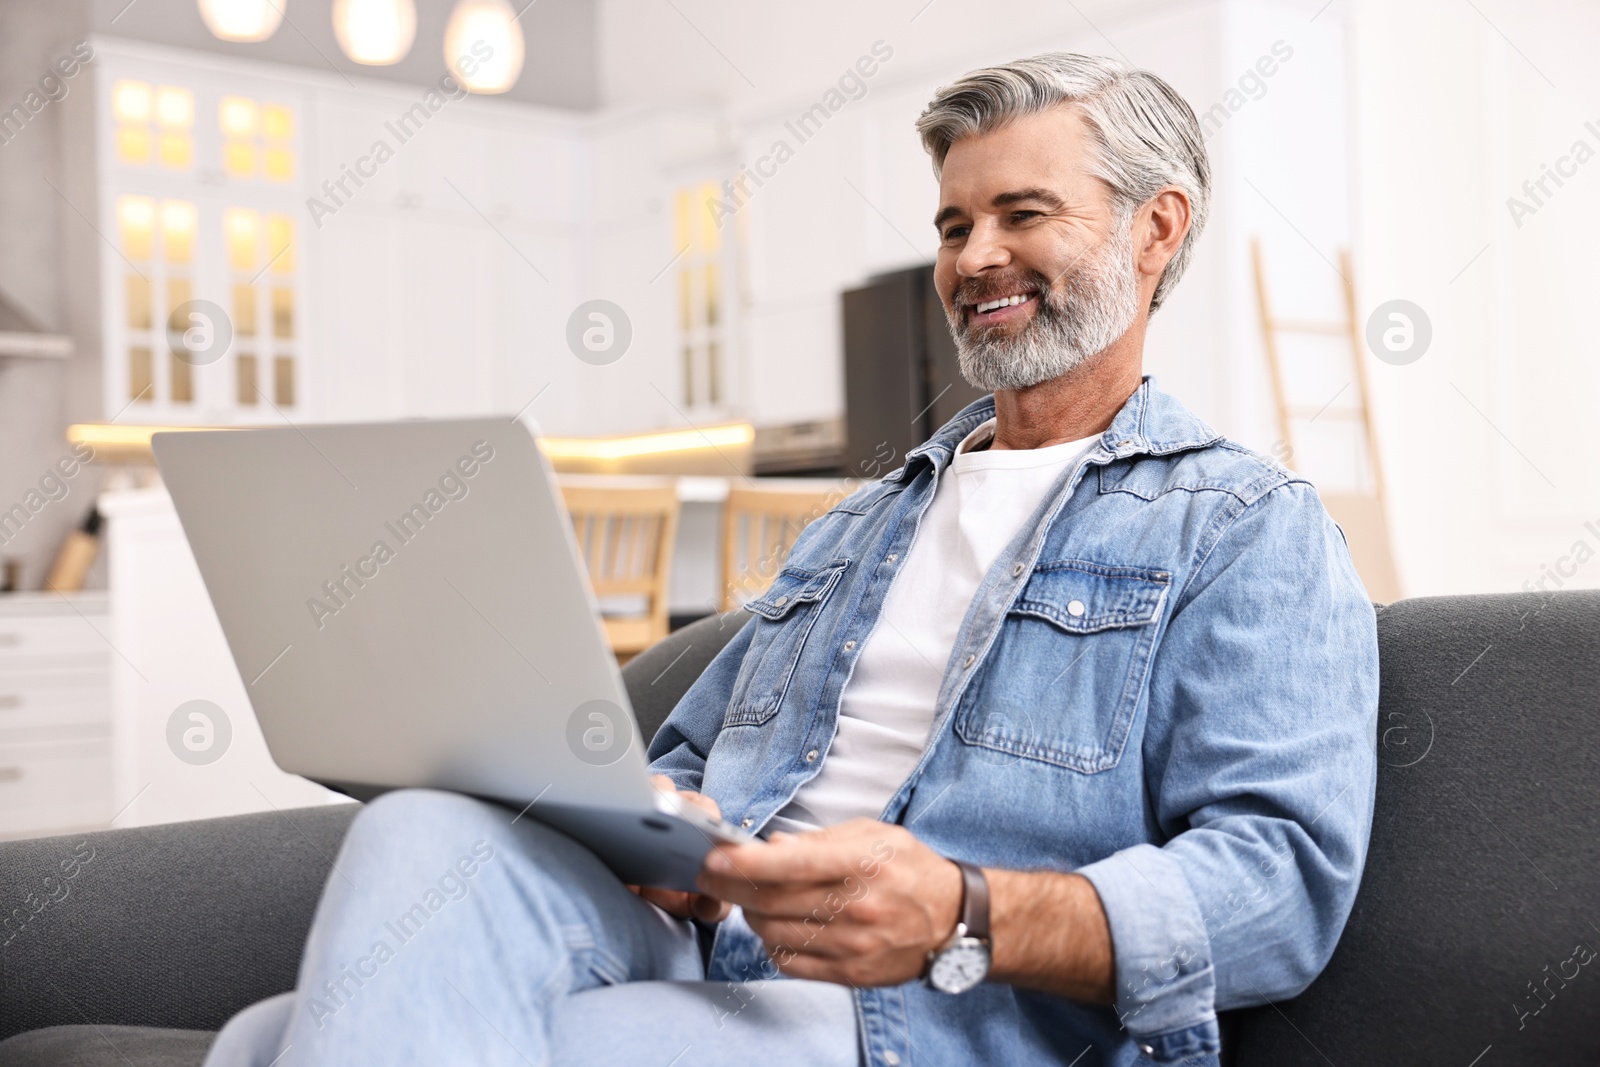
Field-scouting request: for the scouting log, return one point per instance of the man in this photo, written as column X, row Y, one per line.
column 1061, row 735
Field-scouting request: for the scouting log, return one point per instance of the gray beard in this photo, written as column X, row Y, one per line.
column 1072, row 325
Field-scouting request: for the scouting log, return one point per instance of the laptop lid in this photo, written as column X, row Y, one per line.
column 406, row 607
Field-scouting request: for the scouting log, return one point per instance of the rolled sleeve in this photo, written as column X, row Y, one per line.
column 1166, row 987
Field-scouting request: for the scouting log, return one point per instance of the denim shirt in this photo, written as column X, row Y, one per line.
column 1167, row 683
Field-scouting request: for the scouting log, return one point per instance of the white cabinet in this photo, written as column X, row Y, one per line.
column 55, row 714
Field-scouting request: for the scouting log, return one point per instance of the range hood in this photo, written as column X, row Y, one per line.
column 23, row 337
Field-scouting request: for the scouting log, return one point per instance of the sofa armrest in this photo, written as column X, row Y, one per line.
column 179, row 925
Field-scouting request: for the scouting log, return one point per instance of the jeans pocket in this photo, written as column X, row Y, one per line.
column 1067, row 672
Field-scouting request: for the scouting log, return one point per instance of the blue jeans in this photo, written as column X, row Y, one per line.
column 452, row 931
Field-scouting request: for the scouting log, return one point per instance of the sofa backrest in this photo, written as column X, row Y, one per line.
column 657, row 677
column 1475, row 937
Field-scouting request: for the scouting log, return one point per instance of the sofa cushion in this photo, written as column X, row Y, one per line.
column 657, row 677
column 106, row 1046
column 1478, row 906
column 179, row 925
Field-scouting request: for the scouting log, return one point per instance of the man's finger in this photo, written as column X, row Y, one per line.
column 810, row 858
column 786, row 937
column 671, row 901
column 709, row 909
column 703, row 802
column 815, row 968
column 794, row 901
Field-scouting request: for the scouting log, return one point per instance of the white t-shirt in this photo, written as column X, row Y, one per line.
column 886, row 711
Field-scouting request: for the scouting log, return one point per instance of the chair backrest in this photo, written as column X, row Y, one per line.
column 759, row 526
column 625, row 536
column 1477, row 924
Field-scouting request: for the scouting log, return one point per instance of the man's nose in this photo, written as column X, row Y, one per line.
column 983, row 249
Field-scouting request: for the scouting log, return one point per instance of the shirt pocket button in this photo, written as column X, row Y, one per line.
column 1075, row 608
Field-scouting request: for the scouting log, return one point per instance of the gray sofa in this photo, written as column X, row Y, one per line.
column 1471, row 943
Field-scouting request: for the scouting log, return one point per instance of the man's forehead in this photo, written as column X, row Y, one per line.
column 1046, row 151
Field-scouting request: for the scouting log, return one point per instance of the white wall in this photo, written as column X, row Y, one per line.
column 857, row 197
column 1399, row 130
column 1491, row 434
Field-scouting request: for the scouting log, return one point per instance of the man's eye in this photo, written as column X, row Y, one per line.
column 955, row 233
column 1024, row 216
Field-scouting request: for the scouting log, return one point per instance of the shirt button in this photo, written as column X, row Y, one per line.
column 891, row 557
column 811, row 757
column 1075, row 608
column 746, row 823
column 1016, row 571
column 891, row 1057
column 781, row 601
column 969, row 661
column 848, row 645
column 1148, row 1050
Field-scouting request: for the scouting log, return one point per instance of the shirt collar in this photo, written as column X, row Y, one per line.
column 1151, row 422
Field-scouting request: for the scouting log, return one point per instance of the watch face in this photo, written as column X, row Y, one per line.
column 960, row 967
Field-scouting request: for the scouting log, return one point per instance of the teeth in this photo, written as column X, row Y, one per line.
column 1005, row 301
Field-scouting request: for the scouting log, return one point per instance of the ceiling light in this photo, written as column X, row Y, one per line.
column 483, row 45
column 375, row 32
column 242, row 20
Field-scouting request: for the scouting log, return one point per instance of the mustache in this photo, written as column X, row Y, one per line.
column 971, row 291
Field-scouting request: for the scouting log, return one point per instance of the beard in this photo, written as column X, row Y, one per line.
column 1072, row 324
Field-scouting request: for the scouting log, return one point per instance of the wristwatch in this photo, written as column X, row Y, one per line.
column 962, row 963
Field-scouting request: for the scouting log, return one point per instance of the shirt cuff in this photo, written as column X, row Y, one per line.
column 1166, row 987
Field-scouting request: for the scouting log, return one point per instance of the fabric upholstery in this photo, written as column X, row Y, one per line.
column 176, row 926
column 1484, row 867
column 106, row 1046
column 659, row 675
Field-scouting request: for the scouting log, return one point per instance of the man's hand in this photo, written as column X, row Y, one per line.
column 860, row 904
column 685, row 905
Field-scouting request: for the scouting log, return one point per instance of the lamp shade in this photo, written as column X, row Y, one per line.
column 242, row 20
column 375, row 32
column 483, row 45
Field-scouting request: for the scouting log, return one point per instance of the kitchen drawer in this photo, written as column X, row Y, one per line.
column 54, row 786
column 53, row 697
column 29, row 638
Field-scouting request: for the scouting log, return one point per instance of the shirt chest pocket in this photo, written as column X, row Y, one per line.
column 785, row 614
column 1064, row 679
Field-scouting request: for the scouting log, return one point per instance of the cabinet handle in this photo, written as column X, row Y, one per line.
column 10, row 701
column 10, row 774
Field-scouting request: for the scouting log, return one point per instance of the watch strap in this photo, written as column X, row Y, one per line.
column 974, row 900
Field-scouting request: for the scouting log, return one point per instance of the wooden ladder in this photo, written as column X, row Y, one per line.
column 1362, row 516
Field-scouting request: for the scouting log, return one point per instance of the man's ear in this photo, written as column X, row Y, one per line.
column 1165, row 222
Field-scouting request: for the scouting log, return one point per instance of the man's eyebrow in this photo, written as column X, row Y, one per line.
column 1043, row 196
column 1038, row 195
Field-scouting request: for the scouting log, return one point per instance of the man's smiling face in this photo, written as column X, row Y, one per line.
column 1035, row 264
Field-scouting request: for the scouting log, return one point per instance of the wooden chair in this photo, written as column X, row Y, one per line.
column 625, row 536
column 759, row 526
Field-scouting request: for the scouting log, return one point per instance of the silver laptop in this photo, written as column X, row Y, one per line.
column 407, row 607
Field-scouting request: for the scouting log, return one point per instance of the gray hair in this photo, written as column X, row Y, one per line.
column 1147, row 135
